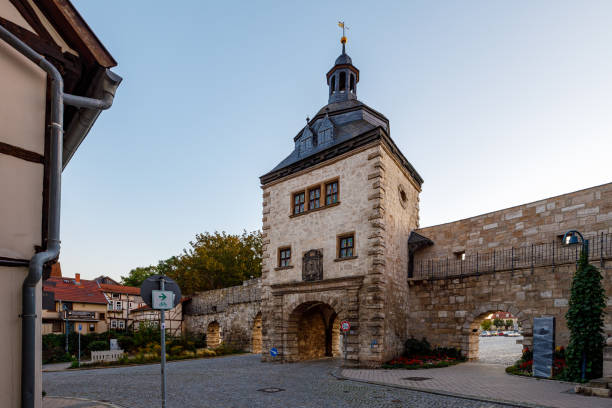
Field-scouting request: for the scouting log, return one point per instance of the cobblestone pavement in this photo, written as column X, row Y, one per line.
column 499, row 350
column 234, row 382
column 485, row 380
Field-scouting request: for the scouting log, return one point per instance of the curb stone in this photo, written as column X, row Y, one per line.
column 106, row 404
column 337, row 373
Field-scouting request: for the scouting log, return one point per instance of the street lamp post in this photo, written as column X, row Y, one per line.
column 569, row 238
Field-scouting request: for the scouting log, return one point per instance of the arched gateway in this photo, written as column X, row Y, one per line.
column 313, row 330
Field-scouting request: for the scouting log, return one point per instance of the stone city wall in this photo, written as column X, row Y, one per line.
column 588, row 210
column 234, row 309
column 448, row 311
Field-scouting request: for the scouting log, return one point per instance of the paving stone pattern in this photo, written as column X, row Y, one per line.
column 234, row 382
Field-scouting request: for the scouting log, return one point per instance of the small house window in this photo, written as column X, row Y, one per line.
column 116, row 295
column 118, row 305
column 113, row 324
column 101, row 316
column 342, row 84
column 284, row 256
column 314, row 198
column 110, row 305
column 298, row 203
column 121, row 324
column 331, row 193
column 92, row 327
column 57, row 326
column 460, row 255
column 346, row 246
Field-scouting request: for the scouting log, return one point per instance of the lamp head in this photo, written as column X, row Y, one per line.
column 571, row 239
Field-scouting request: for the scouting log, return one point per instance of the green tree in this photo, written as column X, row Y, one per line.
column 509, row 323
column 138, row 275
column 486, row 325
column 499, row 323
column 218, row 260
column 585, row 321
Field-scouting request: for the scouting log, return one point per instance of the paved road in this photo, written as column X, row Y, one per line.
column 499, row 350
column 234, row 382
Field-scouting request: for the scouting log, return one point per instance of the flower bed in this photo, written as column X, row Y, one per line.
column 419, row 354
column 418, row 362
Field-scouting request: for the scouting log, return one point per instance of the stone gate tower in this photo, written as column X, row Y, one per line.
column 337, row 213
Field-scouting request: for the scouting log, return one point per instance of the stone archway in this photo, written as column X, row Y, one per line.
column 256, row 334
column 213, row 335
column 310, row 332
column 471, row 340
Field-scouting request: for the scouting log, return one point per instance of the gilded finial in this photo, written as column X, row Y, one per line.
column 343, row 38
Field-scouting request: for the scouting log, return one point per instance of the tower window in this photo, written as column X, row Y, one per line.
column 342, row 87
column 346, row 246
column 314, row 198
column 331, row 193
column 284, row 256
column 352, row 85
column 298, row 202
column 332, row 88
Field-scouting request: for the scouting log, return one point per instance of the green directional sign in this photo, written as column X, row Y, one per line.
column 162, row 299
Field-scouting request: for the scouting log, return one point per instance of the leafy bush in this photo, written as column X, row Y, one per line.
column 98, row 345
column 415, row 347
column 126, row 343
column 584, row 317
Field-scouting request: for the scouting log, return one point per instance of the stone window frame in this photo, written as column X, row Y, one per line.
column 339, row 238
column 322, row 199
column 278, row 258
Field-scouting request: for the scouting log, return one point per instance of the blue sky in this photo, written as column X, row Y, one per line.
column 494, row 103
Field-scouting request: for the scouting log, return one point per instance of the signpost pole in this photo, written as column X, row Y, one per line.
column 79, row 344
column 162, row 286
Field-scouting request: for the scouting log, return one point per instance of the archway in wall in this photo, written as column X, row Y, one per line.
column 256, row 335
column 493, row 338
column 213, row 335
column 311, row 332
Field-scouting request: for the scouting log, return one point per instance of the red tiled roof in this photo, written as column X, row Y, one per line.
column 130, row 290
column 67, row 290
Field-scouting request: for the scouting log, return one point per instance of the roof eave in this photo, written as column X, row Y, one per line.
column 75, row 132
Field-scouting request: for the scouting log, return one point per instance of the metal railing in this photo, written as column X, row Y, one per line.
column 529, row 256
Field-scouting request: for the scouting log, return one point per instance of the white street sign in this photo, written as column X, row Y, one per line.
column 162, row 299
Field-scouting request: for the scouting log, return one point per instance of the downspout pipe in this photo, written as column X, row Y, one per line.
column 58, row 98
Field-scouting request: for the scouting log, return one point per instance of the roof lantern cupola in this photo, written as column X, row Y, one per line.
column 343, row 77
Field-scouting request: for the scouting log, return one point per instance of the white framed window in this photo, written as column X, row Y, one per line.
column 110, row 305
column 113, row 324
column 118, row 305
column 121, row 324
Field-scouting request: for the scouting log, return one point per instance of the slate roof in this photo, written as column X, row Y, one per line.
column 351, row 119
column 66, row 289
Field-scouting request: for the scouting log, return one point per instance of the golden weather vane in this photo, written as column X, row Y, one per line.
column 341, row 25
